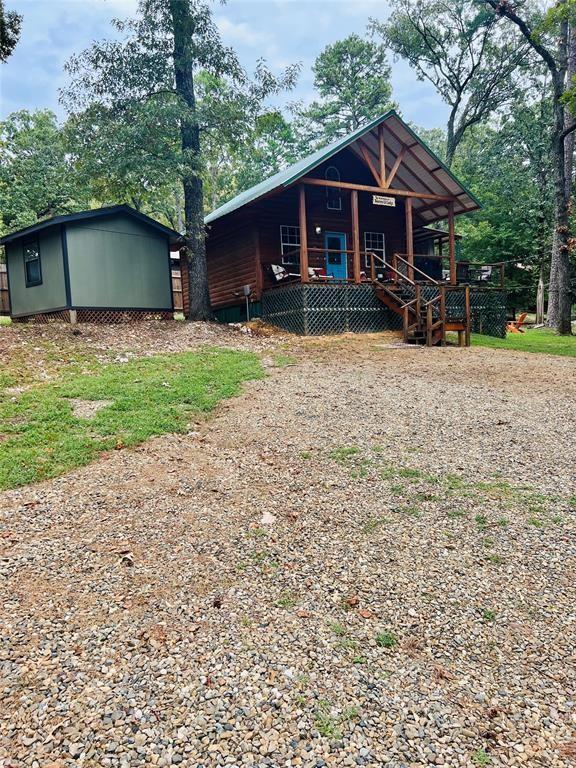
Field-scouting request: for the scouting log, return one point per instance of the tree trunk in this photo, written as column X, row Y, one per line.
column 540, row 298
column 194, row 237
column 559, row 291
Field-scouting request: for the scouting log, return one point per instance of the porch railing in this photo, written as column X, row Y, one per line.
column 401, row 266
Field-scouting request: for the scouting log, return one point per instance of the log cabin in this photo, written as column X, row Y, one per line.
column 348, row 239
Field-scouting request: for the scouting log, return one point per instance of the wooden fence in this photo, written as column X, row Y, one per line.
column 177, row 290
column 4, row 298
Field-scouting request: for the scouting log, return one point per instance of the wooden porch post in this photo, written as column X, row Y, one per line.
column 382, row 155
column 304, row 278
column 451, row 243
column 409, row 238
column 355, row 236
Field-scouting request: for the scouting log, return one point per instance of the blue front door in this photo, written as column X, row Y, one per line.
column 336, row 260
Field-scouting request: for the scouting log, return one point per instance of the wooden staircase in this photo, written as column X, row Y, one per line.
column 424, row 321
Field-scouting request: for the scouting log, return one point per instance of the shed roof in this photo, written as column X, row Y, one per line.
column 92, row 214
column 420, row 170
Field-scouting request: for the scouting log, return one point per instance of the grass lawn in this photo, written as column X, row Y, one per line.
column 541, row 340
column 40, row 437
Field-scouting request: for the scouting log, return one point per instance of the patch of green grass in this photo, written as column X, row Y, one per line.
column 396, row 489
column 152, row 396
column 496, row 559
column 455, row 514
column 329, row 725
column 359, row 660
column 5, row 320
column 305, row 455
column 408, row 472
column 537, row 340
column 481, row 758
column 338, row 629
column 536, row 521
column 344, row 452
column 488, row 615
column 281, row 360
column 286, row 600
column 481, row 521
column 386, row 640
column 373, row 524
column 572, row 502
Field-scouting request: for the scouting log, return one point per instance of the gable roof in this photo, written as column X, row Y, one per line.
column 92, row 214
column 420, row 170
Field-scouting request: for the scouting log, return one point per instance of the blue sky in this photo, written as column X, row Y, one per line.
column 281, row 31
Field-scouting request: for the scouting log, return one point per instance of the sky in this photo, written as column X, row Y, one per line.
column 280, row 31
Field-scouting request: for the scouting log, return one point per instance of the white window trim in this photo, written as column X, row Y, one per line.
column 377, row 251
column 294, row 259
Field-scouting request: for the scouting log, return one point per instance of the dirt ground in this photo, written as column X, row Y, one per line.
column 367, row 558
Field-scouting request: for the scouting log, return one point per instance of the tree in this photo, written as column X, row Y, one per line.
column 457, row 47
column 508, row 164
column 549, row 38
column 10, row 25
column 154, row 67
column 352, row 77
column 36, row 175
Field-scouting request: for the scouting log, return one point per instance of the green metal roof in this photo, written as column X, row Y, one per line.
column 296, row 171
column 91, row 214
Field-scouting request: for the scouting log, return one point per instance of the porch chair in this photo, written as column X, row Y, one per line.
column 281, row 273
column 515, row 326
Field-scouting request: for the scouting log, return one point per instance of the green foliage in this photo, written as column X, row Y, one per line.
column 43, row 438
column 458, row 47
column 386, row 640
column 352, row 77
column 10, row 24
column 481, row 758
column 37, row 178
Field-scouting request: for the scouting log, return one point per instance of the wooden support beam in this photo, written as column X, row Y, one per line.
column 376, row 190
column 356, row 268
column 395, row 167
column 451, row 243
column 367, row 159
column 382, row 155
column 304, row 277
column 409, row 238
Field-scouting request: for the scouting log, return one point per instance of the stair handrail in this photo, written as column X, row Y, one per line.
column 416, row 269
column 373, row 257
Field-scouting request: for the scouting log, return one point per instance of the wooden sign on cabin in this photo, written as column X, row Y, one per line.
column 390, row 202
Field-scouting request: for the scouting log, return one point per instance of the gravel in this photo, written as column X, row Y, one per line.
column 367, row 559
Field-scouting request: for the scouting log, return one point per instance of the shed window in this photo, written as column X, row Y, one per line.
column 32, row 268
column 333, row 194
column 375, row 243
column 290, row 244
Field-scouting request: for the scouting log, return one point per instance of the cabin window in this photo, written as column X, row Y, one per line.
column 333, row 194
column 32, row 268
column 375, row 243
column 290, row 244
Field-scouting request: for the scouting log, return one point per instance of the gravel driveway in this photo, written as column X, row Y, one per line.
column 367, row 559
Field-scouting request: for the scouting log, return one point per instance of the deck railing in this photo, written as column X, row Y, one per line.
column 401, row 266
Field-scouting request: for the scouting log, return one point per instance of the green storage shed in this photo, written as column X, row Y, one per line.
column 104, row 265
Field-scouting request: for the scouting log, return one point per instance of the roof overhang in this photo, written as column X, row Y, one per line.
column 410, row 167
column 92, row 214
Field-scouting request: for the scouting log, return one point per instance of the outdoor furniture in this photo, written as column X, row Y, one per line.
column 515, row 326
column 281, row 273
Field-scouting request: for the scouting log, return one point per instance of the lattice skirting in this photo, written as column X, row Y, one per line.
column 106, row 316
column 102, row 316
column 314, row 309
column 61, row 316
